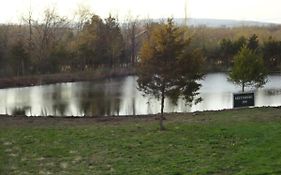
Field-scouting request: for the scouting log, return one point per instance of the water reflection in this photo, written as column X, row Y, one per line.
column 21, row 110
column 99, row 98
column 120, row 96
column 272, row 92
column 59, row 102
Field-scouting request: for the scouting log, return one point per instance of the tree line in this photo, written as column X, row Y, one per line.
column 220, row 45
column 269, row 50
column 57, row 44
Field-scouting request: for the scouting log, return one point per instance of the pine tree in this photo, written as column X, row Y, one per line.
column 248, row 69
column 168, row 67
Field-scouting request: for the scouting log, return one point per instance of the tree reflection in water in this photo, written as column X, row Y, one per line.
column 100, row 98
column 119, row 96
column 60, row 101
column 21, row 110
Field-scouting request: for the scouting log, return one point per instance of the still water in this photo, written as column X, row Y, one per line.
column 120, row 96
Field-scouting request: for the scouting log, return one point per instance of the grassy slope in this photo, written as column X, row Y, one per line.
column 230, row 142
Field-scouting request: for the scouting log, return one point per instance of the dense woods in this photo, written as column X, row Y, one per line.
column 220, row 45
column 56, row 44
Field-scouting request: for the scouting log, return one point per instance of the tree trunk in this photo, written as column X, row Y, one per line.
column 22, row 68
column 162, row 110
column 133, row 44
column 243, row 87
column 30, row 32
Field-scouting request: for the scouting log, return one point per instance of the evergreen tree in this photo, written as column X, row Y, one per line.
column 114, row 40
column 253, row 42
column 19, row 58
column 168, row 67
column 248, row 69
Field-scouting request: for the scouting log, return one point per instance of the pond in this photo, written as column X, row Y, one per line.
column 119, row 96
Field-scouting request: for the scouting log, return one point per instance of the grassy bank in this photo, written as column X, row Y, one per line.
column 98, row 74
column 230, row 142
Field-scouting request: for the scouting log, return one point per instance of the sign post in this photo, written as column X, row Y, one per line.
column 243, row 100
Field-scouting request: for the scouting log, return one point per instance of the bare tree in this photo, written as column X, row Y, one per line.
column 30, row 28
column 82, row 15
column 28, row 20
column 132, row 28
column 48, row 33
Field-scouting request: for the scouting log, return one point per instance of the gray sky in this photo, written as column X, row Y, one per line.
column 258, row 10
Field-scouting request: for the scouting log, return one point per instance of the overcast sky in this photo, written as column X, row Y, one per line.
column 257, row 10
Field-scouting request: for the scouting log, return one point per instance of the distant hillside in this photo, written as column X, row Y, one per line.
column 221, row 22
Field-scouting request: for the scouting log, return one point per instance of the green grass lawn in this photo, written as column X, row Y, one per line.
column 230, row 142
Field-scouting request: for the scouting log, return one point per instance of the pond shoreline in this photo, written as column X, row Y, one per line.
column 47, row 79
column 120, row 96
column 99, row 118
column 37, row 80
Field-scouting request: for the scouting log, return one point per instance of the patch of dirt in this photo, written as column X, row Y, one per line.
column 255, row 114
column 24, row 121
